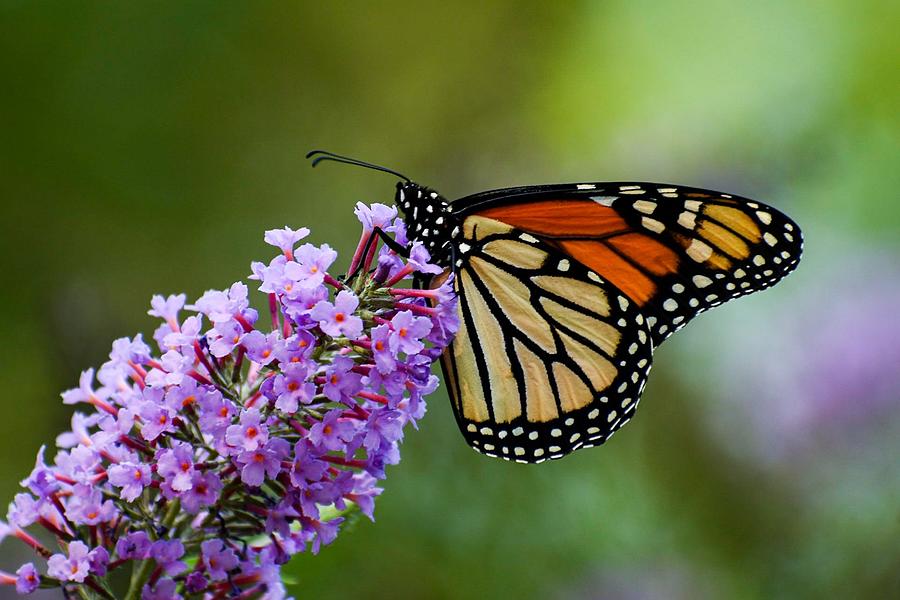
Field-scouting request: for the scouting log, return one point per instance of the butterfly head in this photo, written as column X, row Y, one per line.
column 427, row 215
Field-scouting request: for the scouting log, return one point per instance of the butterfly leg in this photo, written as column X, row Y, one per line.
column 378, row 233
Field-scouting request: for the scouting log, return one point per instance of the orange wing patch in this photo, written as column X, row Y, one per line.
column 598, row 257
column 652, row 255
column 560, row 218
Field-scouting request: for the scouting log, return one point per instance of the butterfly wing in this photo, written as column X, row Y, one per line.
column 549, row 356
column 675, row 251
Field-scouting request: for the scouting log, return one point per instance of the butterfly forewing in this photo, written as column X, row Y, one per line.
column 674, row 251
column 550, row 356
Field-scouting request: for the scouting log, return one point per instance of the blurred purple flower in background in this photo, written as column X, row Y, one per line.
column 828, row 367
column 243, row 441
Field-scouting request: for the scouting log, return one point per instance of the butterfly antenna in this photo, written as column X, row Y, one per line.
column 322, row 155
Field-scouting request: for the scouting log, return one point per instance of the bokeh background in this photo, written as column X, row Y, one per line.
column 145, row 147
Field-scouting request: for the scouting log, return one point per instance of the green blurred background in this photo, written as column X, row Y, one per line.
column 145, row 147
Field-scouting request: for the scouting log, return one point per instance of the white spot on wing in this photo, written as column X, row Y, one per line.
column 698, row 251
column 604, row 200
column 652, row 224
column 645, row 206
column 692, row 205
column 687, row 219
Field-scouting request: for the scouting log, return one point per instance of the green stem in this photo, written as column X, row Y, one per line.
column 141, row 574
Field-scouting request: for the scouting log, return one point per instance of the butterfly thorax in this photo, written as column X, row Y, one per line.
column 429, row 220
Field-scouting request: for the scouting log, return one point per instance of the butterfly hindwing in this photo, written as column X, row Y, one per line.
column 675, row 251
column 549, row 357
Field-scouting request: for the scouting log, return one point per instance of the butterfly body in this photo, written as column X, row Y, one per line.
column 566, row 290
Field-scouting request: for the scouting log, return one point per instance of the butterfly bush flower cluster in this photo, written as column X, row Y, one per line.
column 198, row 468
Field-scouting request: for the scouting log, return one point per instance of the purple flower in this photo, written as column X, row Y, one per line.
column 376, row 215
column 407, row 332
column 23, row 511
column 163, row 590
column 174, row 366
column 87, row 507
column 195, row 583
column 300, row 303
column 218, row 559
column 419, row 259
column 79, row 434
column 182, row 340
column 157, row 419
column 297, row 348
column 364, row 493
column 311, row 266
column 229, row 335
column 383, row 426
column 215, row 412
column 126, row 351
column 205, row 488
column 326, row 532
column 279, row 518
column 292, row 388
column 135, row 545
column 333, row 432
column 74, row 567
column 85, row 391
column 262, row 348
column 113, row 428
column 167, row 554
column 221, row 306
column 176, row 466
column 385, row 358
column 98, row 559
column 184, row 394
column 234, row 405
column 285, row 238
column 131, row 477
column 27, row 579
column 250, row 434
column 42, row 480
column 167, row 308
column 306, row 467
column 338, row 319
column 341, row 383
column 263, row 461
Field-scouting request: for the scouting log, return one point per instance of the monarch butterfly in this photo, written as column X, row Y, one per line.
column 565, row 291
